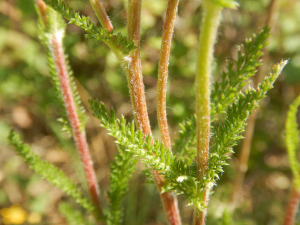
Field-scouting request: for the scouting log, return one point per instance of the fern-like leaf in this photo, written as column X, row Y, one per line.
column 114, row 40
column 226, row 90
column 292, row 139
column 72, row 215
column 52, row 174
column 121, row 171
column 185, row 145
column 229, row 131
column 154, row 156
column 238, row 72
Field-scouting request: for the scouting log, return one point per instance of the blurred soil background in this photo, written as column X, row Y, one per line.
column 27, row 104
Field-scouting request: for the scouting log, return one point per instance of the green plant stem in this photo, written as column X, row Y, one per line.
column 292, row 205
column 133, row 72
column 163, row 71
column 205, row 56
column 102, row 15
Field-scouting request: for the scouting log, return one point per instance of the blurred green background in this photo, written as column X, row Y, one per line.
column 27, row 104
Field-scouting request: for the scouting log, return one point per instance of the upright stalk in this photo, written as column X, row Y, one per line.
column 137, row 93
column 57, row 53
column 292, row 205
column 205, row 56
column 101, row 14
column 163, row 71
column 79, row 135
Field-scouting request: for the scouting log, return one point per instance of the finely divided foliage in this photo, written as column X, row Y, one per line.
column 100, row 34
column 238, row 72
column 179, row 169
column 121, row 170
column 52, row 174
column 225, row 91
column 182, row 175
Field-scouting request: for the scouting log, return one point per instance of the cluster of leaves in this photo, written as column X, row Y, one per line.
column 112, row 39
column 226, row 91
column 55, row 29
column 180, row 175
column 229, row 130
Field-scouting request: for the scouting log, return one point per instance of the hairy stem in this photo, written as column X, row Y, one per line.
column 292, row 206
column 79, row 136
column 205, row 56
column 134, row 73
column 57, row 53
column 163, row 71
column 102, row 15
column 133, row 70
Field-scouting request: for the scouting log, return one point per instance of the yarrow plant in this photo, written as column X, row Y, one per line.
column 189, row 165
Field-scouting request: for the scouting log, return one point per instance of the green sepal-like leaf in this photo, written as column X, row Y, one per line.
column 52, row 174
column 292, row 140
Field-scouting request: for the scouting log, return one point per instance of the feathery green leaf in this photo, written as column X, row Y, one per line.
column 52, row 174
column 292, row 139
column 112, row 39
column 72, row 215
column 238, row 71
column 229, row 130
column 226, row 90
column 121, row 170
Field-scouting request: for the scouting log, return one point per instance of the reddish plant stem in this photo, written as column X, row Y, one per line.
column 42, row 9
column 79, row 135
column 292, row 206
column 101, row 14
column 163, row 71
column 137, row 94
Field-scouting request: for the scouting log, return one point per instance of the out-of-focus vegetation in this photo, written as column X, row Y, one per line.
column 27, row 104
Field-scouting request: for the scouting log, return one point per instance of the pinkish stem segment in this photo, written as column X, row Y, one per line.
column 79, row 136
column 292, row 206
column 101, row 14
